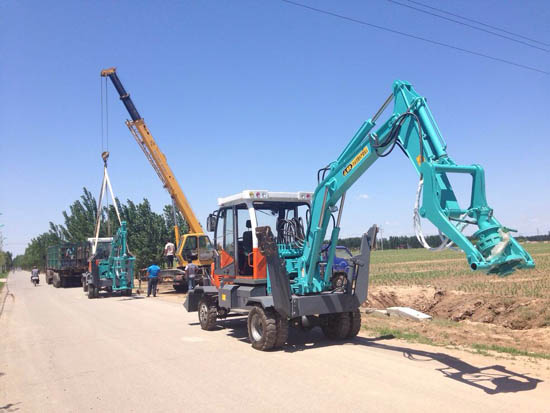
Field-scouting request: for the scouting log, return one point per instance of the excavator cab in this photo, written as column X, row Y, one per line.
column 234, row 225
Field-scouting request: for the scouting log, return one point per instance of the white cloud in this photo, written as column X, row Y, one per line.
column 363, row 196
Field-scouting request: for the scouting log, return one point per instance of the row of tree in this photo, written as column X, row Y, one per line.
column 393, row 242
column 402, row 242
column 6, row 261
column 148, row 231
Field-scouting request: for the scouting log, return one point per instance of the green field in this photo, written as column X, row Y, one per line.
column 449, row 270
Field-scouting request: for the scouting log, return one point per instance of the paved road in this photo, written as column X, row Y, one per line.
column 61, row 352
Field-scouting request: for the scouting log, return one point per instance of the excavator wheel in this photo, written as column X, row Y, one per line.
column 355, row 323
column 336, row 326
column 208, row 313
column 85, row 286
column 262, row 328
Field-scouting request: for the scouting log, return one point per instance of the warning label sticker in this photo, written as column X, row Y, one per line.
column 355, row 161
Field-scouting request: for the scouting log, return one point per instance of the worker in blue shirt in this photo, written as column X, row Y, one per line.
column 152, row 279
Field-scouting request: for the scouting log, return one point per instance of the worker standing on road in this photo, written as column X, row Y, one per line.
column 191, row 271
column 169, row 254
column 152, row 279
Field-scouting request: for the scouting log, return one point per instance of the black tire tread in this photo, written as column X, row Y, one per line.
column 355, row 323
column 337, row 326
column 212, row 314
column 269, row 320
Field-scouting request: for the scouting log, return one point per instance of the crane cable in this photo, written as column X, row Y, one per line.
column 105, row 147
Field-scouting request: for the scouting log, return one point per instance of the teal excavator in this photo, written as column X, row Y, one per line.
column 279, row 273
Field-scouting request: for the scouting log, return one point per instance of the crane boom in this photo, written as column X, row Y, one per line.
column 158, row 161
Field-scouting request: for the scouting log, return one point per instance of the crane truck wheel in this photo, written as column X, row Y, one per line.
column 208, row 313
column 180, row 288
column 91, row 292
column 355, row 323
column 336, row 326
column 262, row 328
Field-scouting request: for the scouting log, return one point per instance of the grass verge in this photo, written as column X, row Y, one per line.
column 484, row 349
column 407, row 335
column 3, row 275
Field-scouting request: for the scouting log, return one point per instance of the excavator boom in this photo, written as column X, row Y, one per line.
column 412, row 128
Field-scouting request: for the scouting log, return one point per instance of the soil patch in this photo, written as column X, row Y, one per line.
column 516, row 313
column 465, row 319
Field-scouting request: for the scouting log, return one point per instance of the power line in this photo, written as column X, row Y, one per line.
column 364, row 23
column 478, row 22
column 469, row 25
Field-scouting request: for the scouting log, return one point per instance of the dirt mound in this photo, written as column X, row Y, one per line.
column 511, row 312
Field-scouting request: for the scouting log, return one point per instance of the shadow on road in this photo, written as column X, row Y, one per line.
column 492, row 379
column 133, row 297
column 10, row 407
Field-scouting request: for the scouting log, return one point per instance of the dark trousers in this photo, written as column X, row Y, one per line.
column 152, row 286
column 169, row 261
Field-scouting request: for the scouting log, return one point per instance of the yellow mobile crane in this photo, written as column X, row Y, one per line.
column 194, row 245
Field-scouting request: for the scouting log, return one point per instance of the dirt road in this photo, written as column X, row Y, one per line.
column 61, row 352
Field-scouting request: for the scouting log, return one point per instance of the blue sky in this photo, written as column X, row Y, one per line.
column 260, row 94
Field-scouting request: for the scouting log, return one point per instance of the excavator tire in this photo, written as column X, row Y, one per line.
column 355, row 323
column 56, row 280
column 282, row 331
column 208, row 314
column 262, row 328
column 91, row 291
column 337, row 326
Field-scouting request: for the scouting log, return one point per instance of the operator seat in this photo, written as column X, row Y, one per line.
column 247, row 238
column 246, row 249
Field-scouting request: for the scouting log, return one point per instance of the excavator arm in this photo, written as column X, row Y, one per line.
column 412, row 128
